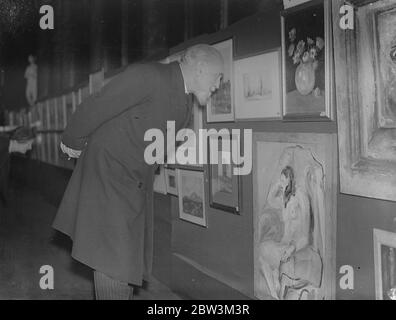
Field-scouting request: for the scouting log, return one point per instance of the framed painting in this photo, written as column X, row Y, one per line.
column 58, row 152
column 53, row 148
column 59, row 113
column 69, row 103
column 75, row 101
column 40, row 107
column 384, row 36
column 171, row 181
column 159, row 180
column 365, row 76
column 191, row 196
column 385, row 264
column 221, row 104
column 294, row 209
column 258, row 93
column 307, row 61
column 40, row 146
column 224, row 185
column 52, row 114
column 96, row 82
column 44, row 144
column 191, row 131
column 85, row 93
column 47, row 115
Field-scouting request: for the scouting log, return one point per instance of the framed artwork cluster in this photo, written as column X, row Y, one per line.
column 189, row 183
column 250, row 88
column 221, row 104
column 291, row 83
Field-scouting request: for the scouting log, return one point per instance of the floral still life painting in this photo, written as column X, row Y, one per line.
column 221, row 105
column 305, row 51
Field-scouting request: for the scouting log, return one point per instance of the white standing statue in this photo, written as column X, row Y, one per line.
column 31, row 81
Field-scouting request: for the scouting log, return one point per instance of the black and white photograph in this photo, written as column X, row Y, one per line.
column 220, row 151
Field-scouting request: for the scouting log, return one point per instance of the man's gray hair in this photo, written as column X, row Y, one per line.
column 202, row 52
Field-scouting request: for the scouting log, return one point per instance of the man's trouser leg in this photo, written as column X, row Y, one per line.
column 107, row 288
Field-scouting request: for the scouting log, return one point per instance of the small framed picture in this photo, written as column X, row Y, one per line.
column 171, row 181
column 385, row 264
column 159, row 185
column 223, row 182
column 85, row 93
column 191, row 132
column 191, row 196
column 307, row 62
column 96, row 82
column 221, row 105
column 52, row 114
column 70, row 106
column 59, row 113
column 258, row 93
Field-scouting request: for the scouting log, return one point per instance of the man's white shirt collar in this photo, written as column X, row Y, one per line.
column 184, row 80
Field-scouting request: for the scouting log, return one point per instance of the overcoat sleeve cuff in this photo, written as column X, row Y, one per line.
column 73, row 143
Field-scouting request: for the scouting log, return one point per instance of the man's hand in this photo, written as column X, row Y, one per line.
column 70, row 152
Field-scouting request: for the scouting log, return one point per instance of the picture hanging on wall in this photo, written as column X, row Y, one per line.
column 52, row 114
column 294, row 208
column 385, row 264
column 85, row 93
column 43, row 115
column 171, row 181
column 385, row 55
column 50, row 147
column 70, row 102
column 45, row 144
column 224, row 193
column 221, row 105
column 191, row 196
column 58, row 152
column 257, row 82
column 59, row 113
column 191, row 129
column 306, row 58
column 96, row 82
column 365, row 76
column 159, row 185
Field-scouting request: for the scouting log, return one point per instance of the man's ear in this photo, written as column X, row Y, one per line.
column 201, row 67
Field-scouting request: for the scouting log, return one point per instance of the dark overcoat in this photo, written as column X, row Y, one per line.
column 107, row 208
